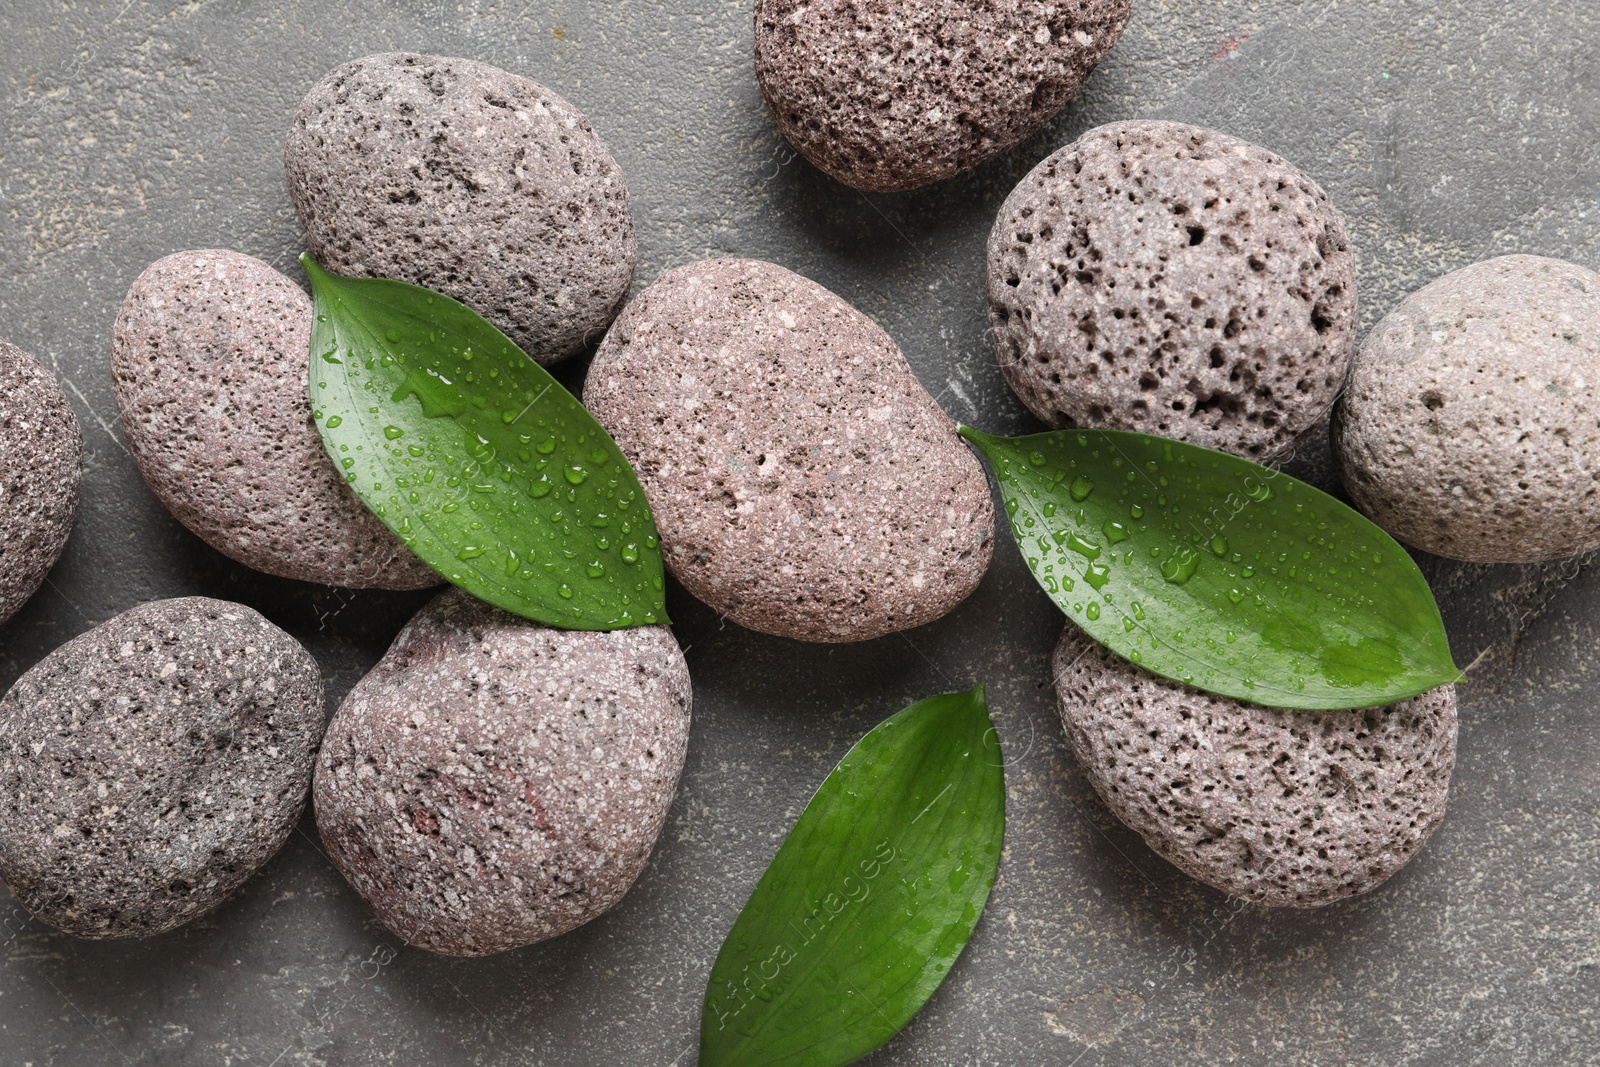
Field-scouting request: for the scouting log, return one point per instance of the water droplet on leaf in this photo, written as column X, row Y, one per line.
column 1181, row 566
column 1087, row 549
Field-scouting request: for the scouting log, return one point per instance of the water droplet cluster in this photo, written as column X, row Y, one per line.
column 1214, row 571
column 485, row 467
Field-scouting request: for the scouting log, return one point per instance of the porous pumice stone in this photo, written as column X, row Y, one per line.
column 1278, row 807
column 493, row 782
column 1471, row 425
column 41, row 460
column 471, row 181
column 803, row 482
column 1174, row 280
column 887, row 95
column 209, row 358
column 150, row 766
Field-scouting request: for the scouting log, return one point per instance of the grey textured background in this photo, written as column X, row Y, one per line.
column 1446, row 130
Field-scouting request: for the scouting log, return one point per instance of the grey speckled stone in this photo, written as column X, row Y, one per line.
column 494, row 782
column 1296, row 808
column 149, row 766
column 803, row 481
column 1471, row 427
column 41, row 459
column 886, row 95
column 1161, row 277
column 209, row 356
column 476, row 183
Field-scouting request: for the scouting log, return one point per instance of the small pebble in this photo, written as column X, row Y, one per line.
column 1277, row 807
column 494, row 782
column 152, row 765
column 1165, row 278
column 803, row 481
column 889, row 95
column 1471, row 426
column 41, row 459
column 209, row 359
column 471, row 181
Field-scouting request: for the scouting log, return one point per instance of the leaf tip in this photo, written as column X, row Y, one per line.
column 314, row 272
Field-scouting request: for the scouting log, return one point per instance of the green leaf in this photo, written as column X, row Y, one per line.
column 477, row 458
column 870, row 899
column 1214, row 571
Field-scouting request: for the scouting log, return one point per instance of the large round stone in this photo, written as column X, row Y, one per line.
column 1159, row 277
column 471, row 181
column 150, row 766
column 494, row 782
column 210, row 357
column 1296, row 808
column 803, row 481
column 1471, row 427
column 888, row 94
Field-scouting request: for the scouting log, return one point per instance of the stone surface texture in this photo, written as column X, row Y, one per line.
column 1471, row 426
column 151, row 765
column 1161, row 277
column 128, row 138
column 209, row 355
column 41, row 461
column 469, row 180
column 803, row 481
column 1273, row 806
column 493, row 782
column 886, row 95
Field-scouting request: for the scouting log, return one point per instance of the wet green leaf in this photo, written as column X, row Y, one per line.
column 870, row 899
column 1215, row 571
column 477, row 458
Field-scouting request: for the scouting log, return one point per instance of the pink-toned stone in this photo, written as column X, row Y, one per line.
column 893, row 94
column 1471, row 427
column 469, row 180
column 210, row 358
column 1165, row 278
column 493, row 782
column 1287, row 808
column 803, row 481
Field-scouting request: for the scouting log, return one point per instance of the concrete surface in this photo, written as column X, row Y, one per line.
column 1446, row 130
